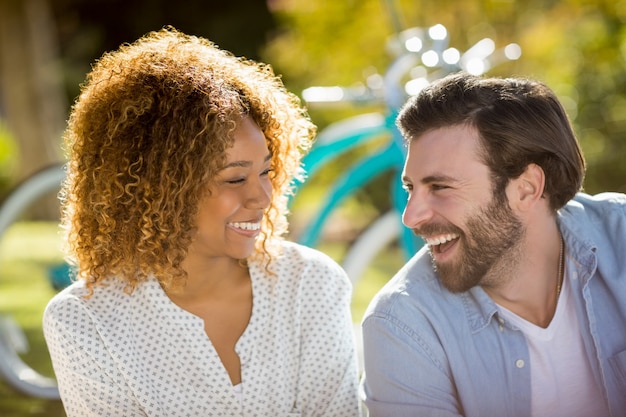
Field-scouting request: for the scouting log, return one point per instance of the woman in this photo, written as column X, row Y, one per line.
column 188, row 302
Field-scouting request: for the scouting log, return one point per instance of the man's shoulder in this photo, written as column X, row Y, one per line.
column 601, row 213
column 596, row 204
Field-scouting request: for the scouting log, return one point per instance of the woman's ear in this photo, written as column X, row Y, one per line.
column 527, row 189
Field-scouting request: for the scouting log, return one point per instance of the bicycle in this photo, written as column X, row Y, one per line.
column 423, row 55
column 13, row 342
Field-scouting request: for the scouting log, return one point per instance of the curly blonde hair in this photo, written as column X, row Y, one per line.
column 146, row 136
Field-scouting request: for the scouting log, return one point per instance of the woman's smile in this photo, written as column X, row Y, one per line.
column 249, row 229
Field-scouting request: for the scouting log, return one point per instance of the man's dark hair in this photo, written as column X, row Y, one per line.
column 519, row 122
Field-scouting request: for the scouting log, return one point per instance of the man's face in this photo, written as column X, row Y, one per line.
column 473, row 235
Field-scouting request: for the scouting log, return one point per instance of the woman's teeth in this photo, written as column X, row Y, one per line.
column 246, row 226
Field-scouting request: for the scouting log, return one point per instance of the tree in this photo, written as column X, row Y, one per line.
column 47, row 47
column 30, row 81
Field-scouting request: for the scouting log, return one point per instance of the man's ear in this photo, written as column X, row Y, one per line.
column 527, row 189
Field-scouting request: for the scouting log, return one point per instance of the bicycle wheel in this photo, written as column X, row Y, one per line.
column 379, row 235
column 29, row 247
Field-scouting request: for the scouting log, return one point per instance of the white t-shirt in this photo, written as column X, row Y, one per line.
column 562, row 382
column 117, row 355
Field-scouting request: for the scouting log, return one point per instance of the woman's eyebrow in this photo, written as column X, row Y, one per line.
column 244, row 163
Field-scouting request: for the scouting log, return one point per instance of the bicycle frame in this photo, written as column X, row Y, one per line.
column 344, row 136
column 21, row 376
column 337, row 139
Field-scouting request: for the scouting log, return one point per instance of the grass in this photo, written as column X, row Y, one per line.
column 26, row 252
column 29, row 250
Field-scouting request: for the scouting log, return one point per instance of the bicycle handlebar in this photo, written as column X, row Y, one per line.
column 424, row 56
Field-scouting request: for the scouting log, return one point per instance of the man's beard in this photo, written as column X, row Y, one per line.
column 489, row 249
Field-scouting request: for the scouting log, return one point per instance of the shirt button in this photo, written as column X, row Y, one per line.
column 519, row 363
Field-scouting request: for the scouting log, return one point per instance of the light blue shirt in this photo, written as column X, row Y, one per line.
column 429, row 352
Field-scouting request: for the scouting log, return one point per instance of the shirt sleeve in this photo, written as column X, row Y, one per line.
column 328, row 383
column 402, row 376
column 86, row 376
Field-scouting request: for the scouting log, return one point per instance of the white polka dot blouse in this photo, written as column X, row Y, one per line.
column 116, row 354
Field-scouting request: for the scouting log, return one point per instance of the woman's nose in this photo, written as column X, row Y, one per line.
column 260, row 194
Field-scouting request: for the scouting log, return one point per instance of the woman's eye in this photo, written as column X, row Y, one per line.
column 266, row 172
column 235, row 181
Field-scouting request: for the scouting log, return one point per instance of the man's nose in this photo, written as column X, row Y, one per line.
column 417, row 211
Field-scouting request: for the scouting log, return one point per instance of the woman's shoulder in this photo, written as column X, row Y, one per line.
column 295, row 255
column 302, row 268
column 77, row 298
column 291, row 248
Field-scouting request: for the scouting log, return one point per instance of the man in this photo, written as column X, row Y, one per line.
column 517, row 304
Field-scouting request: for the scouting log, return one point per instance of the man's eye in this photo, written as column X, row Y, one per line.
column 407, row 187
column 437, row 187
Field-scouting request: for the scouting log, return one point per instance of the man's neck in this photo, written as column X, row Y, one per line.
column 530, row 287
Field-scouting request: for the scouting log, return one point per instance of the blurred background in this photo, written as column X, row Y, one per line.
column 578, row 47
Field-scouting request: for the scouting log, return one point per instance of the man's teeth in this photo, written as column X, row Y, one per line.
column 246, row 226
column 433, row 241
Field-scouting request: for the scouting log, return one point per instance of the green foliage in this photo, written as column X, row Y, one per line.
column 88, row 28
column 577, row 47
column 8, row 149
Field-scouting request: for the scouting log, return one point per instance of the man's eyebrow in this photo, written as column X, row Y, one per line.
column 438, row 178
column 430, row 179
column 244, row 164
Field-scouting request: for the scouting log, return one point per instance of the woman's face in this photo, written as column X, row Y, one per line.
column 229, row 217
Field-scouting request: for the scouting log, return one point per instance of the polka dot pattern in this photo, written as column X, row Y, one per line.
column 116, row 354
